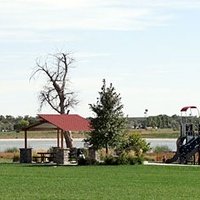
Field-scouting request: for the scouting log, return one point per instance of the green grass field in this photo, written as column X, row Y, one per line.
column 98, row 182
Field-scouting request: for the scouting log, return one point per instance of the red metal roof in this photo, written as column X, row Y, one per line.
column 66, row 122
column 184, row 109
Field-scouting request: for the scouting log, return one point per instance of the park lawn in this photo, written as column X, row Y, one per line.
column 98, row 182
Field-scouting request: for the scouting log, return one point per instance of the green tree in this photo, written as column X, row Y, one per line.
column 109, row 122
column 134, row 142
column 21, row 124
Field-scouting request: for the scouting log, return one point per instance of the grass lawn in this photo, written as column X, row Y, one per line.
column 99, row 182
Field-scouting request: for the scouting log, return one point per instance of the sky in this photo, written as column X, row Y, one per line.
column 148, row 49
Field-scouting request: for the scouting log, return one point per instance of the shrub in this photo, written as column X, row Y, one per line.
column 139, row 160
column 160, row 149
column 130, row 159
column 87, row 161
column 123, row 159
column 12, row 150
column 111, row 160
column 134, row 142
column 16, row 158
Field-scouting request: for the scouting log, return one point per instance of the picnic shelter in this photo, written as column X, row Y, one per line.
column 63, row 125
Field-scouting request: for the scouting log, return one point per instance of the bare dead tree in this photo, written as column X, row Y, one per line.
column 56, row 91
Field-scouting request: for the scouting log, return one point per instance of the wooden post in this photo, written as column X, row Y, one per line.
column 62, row 139
column 58, row 138
column 25, row 139
column 199, row 156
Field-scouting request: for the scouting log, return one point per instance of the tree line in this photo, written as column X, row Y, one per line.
column 11, row 123
column 159, row 121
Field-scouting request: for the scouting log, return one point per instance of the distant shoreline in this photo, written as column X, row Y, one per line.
column 37, row 139
column 46, row 143
column 76, row 139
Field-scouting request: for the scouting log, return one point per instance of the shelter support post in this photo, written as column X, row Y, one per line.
column 62, row 156
column 199, row 156
column 58, row 138
column 62, row 139
column 25, row 155
column 25, row 139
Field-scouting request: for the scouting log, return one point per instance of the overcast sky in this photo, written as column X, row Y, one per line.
column 148, row 49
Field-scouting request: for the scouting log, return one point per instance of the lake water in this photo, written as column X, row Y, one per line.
column 171, row 143
column 47, row 143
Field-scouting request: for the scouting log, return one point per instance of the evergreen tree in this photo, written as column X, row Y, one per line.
column 109, row 122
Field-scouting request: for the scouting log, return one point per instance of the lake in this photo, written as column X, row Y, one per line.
column 47, row 143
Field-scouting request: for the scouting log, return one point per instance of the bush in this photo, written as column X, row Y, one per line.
column 160, row 149
column 131, row 159
column 12, row 150
column 134, row 142
column 111, row 160
column 123, row 159
column 16, row 158
column 139, row 160
column 87, row 161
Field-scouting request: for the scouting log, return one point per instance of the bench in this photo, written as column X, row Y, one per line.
column 36, row 159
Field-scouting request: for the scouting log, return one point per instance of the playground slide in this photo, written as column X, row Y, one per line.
column 173, row 159
column 179, row 142
column 189, row 149
column 184, row 152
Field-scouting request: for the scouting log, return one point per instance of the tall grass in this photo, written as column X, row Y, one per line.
column 12, row 150
column 10, row 155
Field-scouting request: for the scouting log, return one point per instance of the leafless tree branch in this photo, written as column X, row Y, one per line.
column 55, row 91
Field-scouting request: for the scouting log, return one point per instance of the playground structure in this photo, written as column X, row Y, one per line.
column 188, row 143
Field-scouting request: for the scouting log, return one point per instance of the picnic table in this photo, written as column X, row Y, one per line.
column 44, row 157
